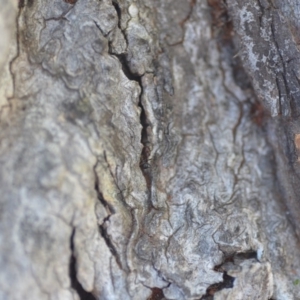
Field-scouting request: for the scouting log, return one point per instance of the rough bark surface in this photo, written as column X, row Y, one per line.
column 268, row 39
column 136, row 160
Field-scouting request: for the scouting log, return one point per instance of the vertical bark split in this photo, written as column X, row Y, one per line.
column 75, row 284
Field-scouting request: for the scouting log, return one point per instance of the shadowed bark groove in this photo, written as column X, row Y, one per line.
column 144, row 163
column 157, row 294
column 102, row 226
column 227, row 283
column 75, row 284
column 230, row 261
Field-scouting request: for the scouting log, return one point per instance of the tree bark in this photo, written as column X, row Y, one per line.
column 148, row 149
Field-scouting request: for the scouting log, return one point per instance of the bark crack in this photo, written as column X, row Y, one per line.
column 103, row 226
column 282, row 73
column 75, row 284
column 119, row 14
column 228, row 281
column 118, row 11
column 157, row 294
column 102, row 32
column 145, row 166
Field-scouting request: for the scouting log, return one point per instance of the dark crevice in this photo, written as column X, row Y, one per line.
column 126, row 69
column 109, row 208
column 75, row 284
column 227, row 283
column 145, row 165
column 144, row 159
column 111, row 174
column 97, row 25
column 246, row 255
column 157, row 294
column 118, row 10
column 109, row 244
column 104, row 34
column 234, row 258
column 103, row 227
column 119, row 14
column 146, row 151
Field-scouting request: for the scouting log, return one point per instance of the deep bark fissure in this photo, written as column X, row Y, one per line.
column 145, row 166
column 119, row 14
column 228, row 280
column 109, row 244
column 118, row 11
column 157, row 294
column 282, row 73
column 102, row 227
column 109, row 208
column 75, row 284
column 227, row 283
column 234, row 257
column 104, row 34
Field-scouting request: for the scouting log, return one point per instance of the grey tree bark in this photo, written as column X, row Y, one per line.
column 149, row 149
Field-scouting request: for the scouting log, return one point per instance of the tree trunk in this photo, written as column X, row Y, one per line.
column 149, row 149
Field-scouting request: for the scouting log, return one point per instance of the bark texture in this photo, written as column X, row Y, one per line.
column 136, row 160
